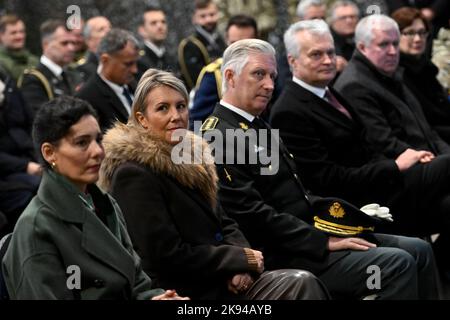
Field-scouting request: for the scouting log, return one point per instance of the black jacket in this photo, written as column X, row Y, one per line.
column 420, row 77
column 390, row 111
column 185, row 240
column 148, row 59
column 273, row 210
column 16, row 145
column 104, row 100
column 34, row 90
column 330, row 149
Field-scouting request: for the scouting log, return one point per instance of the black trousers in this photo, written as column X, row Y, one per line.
column 407, row 271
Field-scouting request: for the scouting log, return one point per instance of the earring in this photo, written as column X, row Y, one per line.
column 53, row 165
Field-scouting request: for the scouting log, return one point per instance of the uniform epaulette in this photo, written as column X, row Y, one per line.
column 81, row 61
column 209, row 124
column 42, row 79
column 213, row 66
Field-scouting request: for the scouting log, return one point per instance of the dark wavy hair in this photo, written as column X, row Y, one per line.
column 55, row 118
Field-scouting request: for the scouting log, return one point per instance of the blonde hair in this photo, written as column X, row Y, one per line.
column 150, row 80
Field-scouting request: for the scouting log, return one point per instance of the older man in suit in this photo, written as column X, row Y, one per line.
column 327, row 138
column 110, row 90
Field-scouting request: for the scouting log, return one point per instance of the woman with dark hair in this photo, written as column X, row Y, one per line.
column 419, row 72
column 71, row 241
column 185, row 239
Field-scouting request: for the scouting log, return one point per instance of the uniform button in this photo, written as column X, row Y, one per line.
column 99, row 283
column 291, row 155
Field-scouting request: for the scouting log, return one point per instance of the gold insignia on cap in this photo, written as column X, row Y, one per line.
column 209, row 124
column 336, row 210
column 243, row 126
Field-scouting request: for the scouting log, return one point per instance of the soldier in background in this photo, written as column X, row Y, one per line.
column 51, row 78
column 153, row 30
column 94, row 31
column 202, row 47
column 14, row 57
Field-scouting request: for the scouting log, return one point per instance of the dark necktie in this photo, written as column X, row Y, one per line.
column 127, row 95
column 260, row 123
column 335, row 103
column 66, row 87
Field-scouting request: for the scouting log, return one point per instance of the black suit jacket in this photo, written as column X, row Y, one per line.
column 35, row 93
column 389, row 110
column 273, row 211
column 104, row 100
column 330, row 150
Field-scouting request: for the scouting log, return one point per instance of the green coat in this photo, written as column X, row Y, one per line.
column 16, row 62
column 58, row 230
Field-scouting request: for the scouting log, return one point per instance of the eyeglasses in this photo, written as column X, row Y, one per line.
column 411, row 34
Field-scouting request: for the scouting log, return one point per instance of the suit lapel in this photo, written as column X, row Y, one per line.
column 319, row 106
column 111, row 96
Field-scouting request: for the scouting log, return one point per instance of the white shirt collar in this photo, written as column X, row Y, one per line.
column 159, row 51
column 320, row 92
column 118, row 90
column 210, row 37
column 54, row 68
column 237, row 110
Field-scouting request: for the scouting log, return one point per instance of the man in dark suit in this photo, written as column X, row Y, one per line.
column 153, row 30
column 110, row 90
column 373, row 82
column 50, row 78
column 202, row 47
column 260, row 188
column 326, row 137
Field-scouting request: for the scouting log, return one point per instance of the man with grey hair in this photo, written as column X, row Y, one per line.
column 110, row 90
column 373, row 82
column 50, row 78
column 343, row 17
column 311, row 9
column 326, row 138
column 395, row 121
column 274, row 210
column 93, row 32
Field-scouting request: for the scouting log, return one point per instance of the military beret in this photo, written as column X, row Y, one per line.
column 340, row 218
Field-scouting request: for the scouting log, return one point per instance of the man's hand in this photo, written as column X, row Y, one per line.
column 170, row 295
column 240, row 283
column 34, row 169
column 410, row 157
column 336, row 244
column 259, row 260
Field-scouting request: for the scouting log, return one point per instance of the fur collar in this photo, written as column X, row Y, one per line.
column 124, row 143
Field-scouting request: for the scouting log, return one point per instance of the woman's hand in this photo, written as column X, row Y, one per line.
column 240, row 283
column 170, row 295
